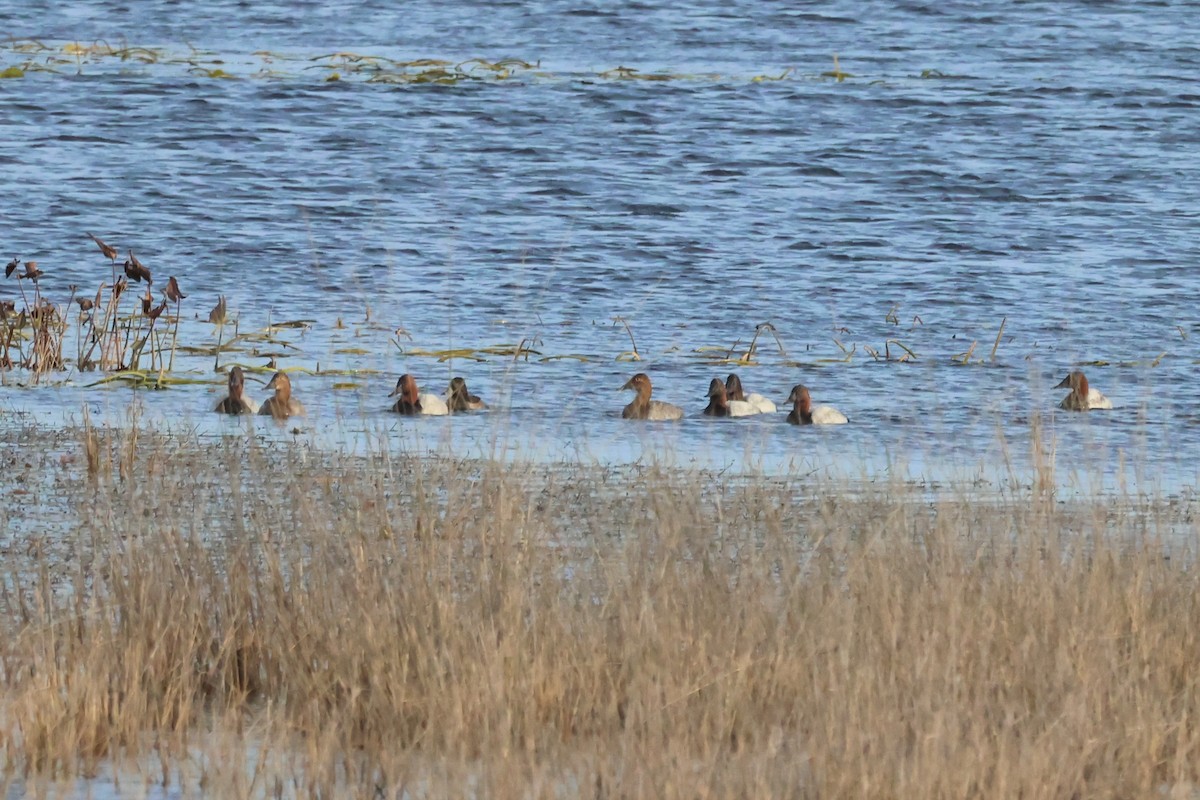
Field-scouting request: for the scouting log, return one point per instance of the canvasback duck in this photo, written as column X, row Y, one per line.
column 1082, row 397
column 236, row 401
column 643, row 407
column 281, row 405
column 803, row 413
column 459, row 398
column 733, row 389
column 412, row 402
column 719, row 404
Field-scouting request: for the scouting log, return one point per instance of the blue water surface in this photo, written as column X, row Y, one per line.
column 966, row 164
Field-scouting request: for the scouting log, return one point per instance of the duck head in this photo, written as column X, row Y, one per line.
column 733, row 387
column 718, row 406
column 237, row 383
column 1076, row 381
column 800, row 399
column 639, row 383
column 281, row 384
column 406, row 388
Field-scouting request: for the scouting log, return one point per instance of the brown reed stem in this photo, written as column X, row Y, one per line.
column 999, row 333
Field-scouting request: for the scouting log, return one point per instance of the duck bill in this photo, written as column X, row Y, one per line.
column 271, row 383
column 1065, row 383
column 627, row 385
column 395, row 391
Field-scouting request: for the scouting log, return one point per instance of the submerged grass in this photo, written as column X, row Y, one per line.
column 269, row 619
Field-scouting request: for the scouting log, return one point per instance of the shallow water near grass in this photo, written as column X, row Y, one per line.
column 964, row 165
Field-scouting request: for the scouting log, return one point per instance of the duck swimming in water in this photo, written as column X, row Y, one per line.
column 719, row 404
column 643, row 407
column 236, row 401
column 281, row 405
column 412, row 402
column 733, row 389
column 1082, row 396
column 803, row 413
column 460, row 399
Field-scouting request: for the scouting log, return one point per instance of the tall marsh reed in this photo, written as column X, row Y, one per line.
column 252, row 619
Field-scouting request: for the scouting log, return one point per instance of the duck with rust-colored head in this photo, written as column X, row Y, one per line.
column 733, row 390
column 803, row 413
column 236, row 402
column 459, row 397
column 1082, row 396
column 643, row 407
column 721, row 405
column 281, row 405
column 412, row 402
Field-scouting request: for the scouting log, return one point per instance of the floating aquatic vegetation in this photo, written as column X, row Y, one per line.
column 211, row 73
column 631, row 74
column 909, row 355
column 28, row 46
column 739, row 361
column 140, row 379
column 733, row 355
column 336, row 66
column 565, row 357
column 145, row 55
column 764, row 78
column 758, row 329
column 628, row 355
column 837, row 73
column 118, row 340
column 295, row 323
column 964, row 358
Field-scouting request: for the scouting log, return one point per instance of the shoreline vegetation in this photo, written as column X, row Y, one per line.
column 241, row 619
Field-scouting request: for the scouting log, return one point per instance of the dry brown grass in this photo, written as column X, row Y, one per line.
column 258, row 620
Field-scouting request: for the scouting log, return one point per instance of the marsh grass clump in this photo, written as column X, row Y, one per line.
column 346, row 625
column 38, row 331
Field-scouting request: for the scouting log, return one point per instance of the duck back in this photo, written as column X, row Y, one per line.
column 663, row 411
column 230, row 405
column 281, row 409
column 828, row 415
column 761, row 403
column 743, row 408
column 433, row 406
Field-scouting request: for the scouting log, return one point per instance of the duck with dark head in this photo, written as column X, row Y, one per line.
column 721, row 405
column 1082, row 397
column 459, row 397
column 733, row 389
column 803, row 412
column 412, row 402
column 236, row 402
